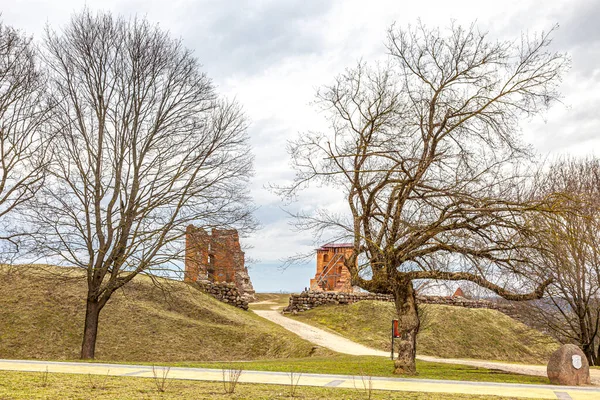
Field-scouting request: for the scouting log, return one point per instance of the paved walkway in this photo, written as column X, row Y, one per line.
column 342, row 345
column 319, row 380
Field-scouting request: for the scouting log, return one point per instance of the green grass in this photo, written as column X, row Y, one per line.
column 43, row 308
column 372, row 366
column 28, row 385
column 447, row 331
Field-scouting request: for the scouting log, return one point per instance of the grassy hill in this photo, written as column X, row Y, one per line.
column 42, row 312
column 447, row 331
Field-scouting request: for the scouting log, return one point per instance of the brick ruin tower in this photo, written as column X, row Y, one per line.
column 216, row 257
column 332, row 275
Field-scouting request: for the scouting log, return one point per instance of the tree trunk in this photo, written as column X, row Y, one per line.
column 589, row 352
column 90, row 330
column 592, row 354
column 408, row 325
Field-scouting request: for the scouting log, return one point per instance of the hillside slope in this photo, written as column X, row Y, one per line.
column 42, row 314
column 447, row 331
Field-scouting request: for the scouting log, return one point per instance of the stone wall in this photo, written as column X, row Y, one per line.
column 311, row 299
column 464, row 302
column 225, row 292
column 307, row 300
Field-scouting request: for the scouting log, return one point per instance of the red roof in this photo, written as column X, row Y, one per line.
column 336, row 246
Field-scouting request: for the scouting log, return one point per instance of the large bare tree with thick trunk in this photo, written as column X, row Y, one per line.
column 22, row 114
column 143, row 147
column 426, row 148
column 571, row 256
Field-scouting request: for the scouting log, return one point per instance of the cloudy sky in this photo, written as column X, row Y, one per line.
column 272, row 55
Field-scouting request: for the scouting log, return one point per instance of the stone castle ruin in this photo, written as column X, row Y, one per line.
column 217, row 258
column 332, row 285
column 332, row 275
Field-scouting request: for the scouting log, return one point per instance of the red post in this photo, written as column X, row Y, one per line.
column 395, row 334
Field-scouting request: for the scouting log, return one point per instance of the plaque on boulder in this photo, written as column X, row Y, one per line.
column 568, row 366
column 576, row 361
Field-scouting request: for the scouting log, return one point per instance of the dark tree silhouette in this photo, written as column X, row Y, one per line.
column 23, row 111
column 570, row 255
column 426, row 148
column 143, row 147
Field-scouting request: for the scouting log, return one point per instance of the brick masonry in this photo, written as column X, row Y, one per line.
column 217, row 258
column 332, row 275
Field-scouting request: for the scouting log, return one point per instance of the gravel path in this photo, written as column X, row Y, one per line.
column 345, row 346
column 319, row 336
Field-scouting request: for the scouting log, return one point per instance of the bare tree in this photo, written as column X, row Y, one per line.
column 143, row 148
column 426, row 149
column 571, row 257
column 22, row 113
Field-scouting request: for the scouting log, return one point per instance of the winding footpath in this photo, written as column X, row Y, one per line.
column 320, row 337
column 342, row 345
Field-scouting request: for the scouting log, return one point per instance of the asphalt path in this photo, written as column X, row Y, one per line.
column 318, row 380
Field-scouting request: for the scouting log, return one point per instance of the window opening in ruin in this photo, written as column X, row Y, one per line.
column 211, row 265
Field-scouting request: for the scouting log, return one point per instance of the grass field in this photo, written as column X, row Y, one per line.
column 374, row 366
column 175, row 324
column 28, row 385
column 447, row 331
column 42, row 314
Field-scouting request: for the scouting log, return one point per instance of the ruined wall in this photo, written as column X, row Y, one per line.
column 218, row 258
column 225, row 292
column 196, row 254
column 307, row 300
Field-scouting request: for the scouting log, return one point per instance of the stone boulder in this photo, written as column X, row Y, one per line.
column 568, row 366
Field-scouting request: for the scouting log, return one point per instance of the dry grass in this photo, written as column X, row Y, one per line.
column 43, row 312
column 449, row 332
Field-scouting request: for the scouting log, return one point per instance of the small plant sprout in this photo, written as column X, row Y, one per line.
column 294, row 379
column 161, row 378
column 231, row 377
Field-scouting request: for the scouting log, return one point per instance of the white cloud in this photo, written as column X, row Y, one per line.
column 272, row 55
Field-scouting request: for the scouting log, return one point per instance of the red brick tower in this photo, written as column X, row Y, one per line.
column 217, row 258
column 332, row 275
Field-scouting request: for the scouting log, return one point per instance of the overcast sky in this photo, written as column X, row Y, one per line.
column 272, row 55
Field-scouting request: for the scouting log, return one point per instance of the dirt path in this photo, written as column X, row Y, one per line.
column 345, row 346
column 271, row 304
